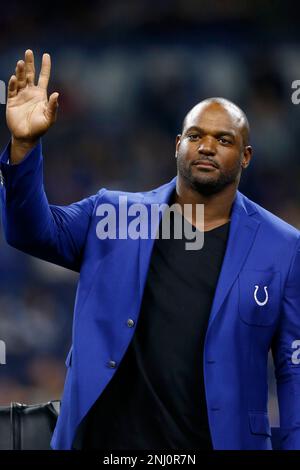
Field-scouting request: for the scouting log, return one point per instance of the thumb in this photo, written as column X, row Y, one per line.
column 51, row 110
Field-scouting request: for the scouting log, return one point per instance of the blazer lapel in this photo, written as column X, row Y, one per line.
column 242, row 233
column 159, row 196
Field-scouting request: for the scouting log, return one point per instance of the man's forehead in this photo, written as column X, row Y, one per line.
column 213, row 114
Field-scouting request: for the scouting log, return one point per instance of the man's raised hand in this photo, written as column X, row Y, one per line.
column 29, row 113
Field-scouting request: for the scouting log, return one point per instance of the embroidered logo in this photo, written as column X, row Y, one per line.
column 261, row 304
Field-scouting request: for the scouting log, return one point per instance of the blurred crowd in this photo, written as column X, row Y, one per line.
column 127, row 73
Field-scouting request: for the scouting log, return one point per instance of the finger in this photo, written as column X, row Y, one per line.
column 12, row 87
column 51, row 110
column 29, row 67
column 45, row 71
column 20, row 74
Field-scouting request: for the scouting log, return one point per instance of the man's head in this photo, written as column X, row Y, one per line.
column 215, row 131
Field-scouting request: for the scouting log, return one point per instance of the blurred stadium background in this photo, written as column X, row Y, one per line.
column 127, row 72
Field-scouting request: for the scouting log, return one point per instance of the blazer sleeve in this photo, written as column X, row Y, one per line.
column 286, row 354
column 50, row 232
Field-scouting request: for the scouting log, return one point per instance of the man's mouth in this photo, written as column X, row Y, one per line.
column 205, row 163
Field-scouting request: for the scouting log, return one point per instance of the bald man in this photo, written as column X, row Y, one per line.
column 170, row 345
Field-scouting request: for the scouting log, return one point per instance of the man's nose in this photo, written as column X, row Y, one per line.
column 207, row 146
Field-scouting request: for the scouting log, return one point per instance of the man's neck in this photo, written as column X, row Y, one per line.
column 217, row 207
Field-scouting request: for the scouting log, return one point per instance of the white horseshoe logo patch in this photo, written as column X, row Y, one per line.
column 261, row 304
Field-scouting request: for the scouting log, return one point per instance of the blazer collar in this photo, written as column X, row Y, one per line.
column 242, row 232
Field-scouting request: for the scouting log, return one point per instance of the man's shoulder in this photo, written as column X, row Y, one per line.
column 269, row 220
column 134, row 195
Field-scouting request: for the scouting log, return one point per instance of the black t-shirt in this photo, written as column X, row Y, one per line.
column 156, row 399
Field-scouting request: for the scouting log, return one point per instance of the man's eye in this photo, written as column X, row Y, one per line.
column 224, row 141
column 193, row 136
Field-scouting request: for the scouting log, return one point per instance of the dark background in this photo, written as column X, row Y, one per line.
column 127, row 73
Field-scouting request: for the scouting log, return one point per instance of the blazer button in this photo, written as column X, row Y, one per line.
column 130, row 322
column 112, row 364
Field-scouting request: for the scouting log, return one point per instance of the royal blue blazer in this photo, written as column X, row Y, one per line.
column 256, row 304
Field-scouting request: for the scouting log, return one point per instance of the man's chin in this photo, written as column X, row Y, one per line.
column 206, row 187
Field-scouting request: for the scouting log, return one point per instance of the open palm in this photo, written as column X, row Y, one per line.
column 29, row 113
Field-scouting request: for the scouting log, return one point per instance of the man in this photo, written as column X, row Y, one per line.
column 170, row 346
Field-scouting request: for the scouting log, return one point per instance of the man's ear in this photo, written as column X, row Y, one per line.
column 247, row 155
column 178, row 137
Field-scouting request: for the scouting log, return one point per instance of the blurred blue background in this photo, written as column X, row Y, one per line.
column 127, row 73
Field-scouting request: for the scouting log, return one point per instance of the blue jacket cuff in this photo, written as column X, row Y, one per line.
column 29, row 162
